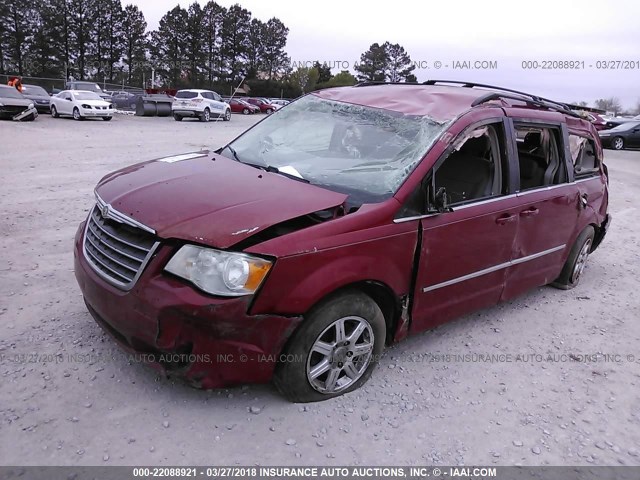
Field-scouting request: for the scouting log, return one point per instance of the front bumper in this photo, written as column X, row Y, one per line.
column 210, row 341
column 91, row 112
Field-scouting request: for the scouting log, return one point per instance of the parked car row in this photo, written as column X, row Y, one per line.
column 82, row 99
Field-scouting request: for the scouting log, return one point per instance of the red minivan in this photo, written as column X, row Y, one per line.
column 339, row 225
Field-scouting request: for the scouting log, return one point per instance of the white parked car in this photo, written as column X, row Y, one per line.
column 203, row 104
column 280, row 102
column 80, row 104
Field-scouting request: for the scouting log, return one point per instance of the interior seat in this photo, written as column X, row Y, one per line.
column 466, row 174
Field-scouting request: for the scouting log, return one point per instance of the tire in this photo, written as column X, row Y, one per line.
column 76, row 114
column 54, row 111
column 294, row 376
column 574, row 266
column 227, row 115
column 269, row 111
column 106, row 119
column 618, row 143
column 206, row 115
column 177, row 117
column 245, row 111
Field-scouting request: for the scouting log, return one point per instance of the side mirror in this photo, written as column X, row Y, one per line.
column 440, row 202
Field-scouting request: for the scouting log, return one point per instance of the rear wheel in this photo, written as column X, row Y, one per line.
column 618, row 143
column 76, row 114
column 334, row 351
column 54, row 111
column 574, row 266
column 177, row 117
column 206, row 115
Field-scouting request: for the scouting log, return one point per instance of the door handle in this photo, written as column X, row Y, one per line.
column 529, row 212
column 507, row 218
column 584, row 200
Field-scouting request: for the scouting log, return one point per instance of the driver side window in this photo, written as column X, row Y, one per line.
column 473, row 169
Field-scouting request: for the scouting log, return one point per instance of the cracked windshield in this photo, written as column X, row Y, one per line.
column 362, row 151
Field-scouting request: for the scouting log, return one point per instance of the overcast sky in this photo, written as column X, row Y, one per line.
column 338, row 31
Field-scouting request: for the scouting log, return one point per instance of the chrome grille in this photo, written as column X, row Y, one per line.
column 116, row 251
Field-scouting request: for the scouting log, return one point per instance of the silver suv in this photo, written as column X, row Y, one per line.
column 204, row 104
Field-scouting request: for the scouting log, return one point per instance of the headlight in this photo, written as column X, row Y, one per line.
column 219, row 273
column 30, row 105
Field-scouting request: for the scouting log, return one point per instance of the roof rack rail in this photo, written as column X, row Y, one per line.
column 369, row 83
column 511, row 94
column 534, row 99
column 539, row 103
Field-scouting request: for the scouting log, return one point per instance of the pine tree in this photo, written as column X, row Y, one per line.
column 213, row 15
column 134, row 43
column 235, row 32
column 373, row 64
column 324, row 71
column 80, row 25
column 398, row 66
column 167, row 45
column 275, row 59
column 46, row 55
column 19, row 28
column 194, row 42
column 255, row 47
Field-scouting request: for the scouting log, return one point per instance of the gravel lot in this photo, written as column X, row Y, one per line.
column 69, row 397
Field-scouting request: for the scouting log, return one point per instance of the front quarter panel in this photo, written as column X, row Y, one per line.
column 383, row 254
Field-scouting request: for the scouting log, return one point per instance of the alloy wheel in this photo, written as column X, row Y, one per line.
column 340, row 355
column 618, row 143
column 581, row 261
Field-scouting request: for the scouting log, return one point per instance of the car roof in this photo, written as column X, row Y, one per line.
column 196, row 90
column 441, row 102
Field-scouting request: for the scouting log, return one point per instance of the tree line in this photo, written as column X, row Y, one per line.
column 198, row 46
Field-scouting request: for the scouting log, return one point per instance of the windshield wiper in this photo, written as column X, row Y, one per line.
column 272, row 169
column 266, row 168
column 233, row 152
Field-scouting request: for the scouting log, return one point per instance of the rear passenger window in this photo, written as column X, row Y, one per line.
column 473, row 170
column 540, row 157
column 583, row 156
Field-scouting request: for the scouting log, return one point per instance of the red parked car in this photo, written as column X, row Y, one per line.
column 264, row 105
column 240, row 106
column 343, row 223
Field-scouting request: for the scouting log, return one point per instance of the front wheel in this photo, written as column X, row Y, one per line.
column 177, row 117
column 76, row 114
column 574, row 266
column 269, row 111
column 334, row 351
column 54, row 111
column 106, row 119
column 227, row 115
column 245, row 111
column 618, row 143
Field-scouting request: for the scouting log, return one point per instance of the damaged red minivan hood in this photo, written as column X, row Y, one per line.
column 210, row 199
